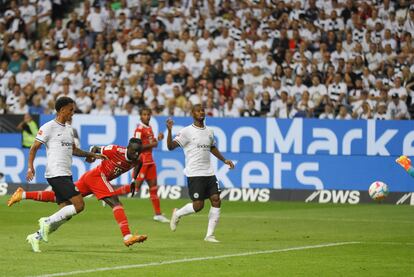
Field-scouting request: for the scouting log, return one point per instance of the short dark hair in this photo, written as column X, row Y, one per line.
column 62, row 102
column 135, row 140
column 196, row 106
column 145, row 109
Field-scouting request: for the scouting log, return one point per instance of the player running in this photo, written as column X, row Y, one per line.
column 148, row 170
column 198, row 144
column 97, row 182
column 405, row 162
column 58, row 139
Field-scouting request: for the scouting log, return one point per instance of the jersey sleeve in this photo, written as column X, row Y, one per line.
column 42, row 135
column 212, row 139
column 182, row 138
column 108, row 150
column 138, row 133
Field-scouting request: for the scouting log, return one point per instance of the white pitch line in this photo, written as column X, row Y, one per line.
column 186, row 260
column 319, row 219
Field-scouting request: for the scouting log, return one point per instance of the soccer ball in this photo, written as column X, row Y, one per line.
column 378, row 190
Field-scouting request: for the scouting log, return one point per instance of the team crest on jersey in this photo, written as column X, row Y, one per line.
column 40, row 132
column 196, row 195
column 141, row 175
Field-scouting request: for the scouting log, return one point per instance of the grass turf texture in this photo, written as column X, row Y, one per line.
column 92, row 240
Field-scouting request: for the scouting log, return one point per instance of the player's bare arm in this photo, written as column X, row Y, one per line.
column 154, row 143
column 32, row 154
column 80, row 153
column 170, row 143
column 219, row 156
column 135, row 172
column 93, row 149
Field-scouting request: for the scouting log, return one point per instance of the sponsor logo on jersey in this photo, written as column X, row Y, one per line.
column 203, row 146
column 65, row 143
column 334, row 196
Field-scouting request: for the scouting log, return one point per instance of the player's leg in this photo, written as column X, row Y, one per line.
column 41, row 195
column 151, row 178
column 65, row 192
column 125, row 189
column 121, row 219
column 35, row 238
column 213, row 190
column 196, row 192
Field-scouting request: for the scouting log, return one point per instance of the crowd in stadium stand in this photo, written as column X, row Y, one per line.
column 331, row 59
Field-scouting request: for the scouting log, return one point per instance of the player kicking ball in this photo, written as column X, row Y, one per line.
column 148, row 170
column 97, row 182
column 198, row 142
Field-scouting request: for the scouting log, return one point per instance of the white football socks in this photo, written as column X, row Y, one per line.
column 186, row 210
column 213, row 219
column 23, row 195
column 62, row 214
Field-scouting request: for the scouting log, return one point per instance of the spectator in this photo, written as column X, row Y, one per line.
column 381, row 112
column 343, row 113
column 328, row 112
column 36, row 107
column 397, row 109
column 29, row 129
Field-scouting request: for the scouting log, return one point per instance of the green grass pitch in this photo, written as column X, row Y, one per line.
column 299, row 233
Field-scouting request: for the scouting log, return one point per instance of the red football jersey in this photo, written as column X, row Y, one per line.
column 117, row 162
column 146, row 135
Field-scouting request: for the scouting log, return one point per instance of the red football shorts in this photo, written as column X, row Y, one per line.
column 147, row 172
column 96, row 183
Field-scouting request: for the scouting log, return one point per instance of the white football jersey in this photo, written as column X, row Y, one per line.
column 58, row 139
column 196, row 143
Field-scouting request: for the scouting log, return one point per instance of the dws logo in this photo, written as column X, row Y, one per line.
column 405, row 197
column 335, row 196
column 246, row 195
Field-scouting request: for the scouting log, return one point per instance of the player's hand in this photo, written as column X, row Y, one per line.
column 229, row 163
column 100, row 156
column 133, row 187
column 30, row 174
column 90, row 159
column 160, row 136
column 170, row 124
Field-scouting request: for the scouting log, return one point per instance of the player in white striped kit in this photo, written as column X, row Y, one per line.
column 198, row 142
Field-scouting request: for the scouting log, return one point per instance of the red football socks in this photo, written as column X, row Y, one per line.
column 122, row 220
column 155, row 200
column 43, row 196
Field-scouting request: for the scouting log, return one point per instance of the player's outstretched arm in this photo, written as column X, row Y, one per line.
column 80, row 153
column 171, row 144
column 32, row 154
column 93, row 149
column 153, row 144
column 219, row 156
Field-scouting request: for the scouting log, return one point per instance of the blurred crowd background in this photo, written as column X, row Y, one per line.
column 331, row 59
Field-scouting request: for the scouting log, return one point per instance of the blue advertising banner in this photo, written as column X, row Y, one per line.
column 269, row 153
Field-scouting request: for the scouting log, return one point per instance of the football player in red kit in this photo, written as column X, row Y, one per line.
column 97, row 182
column 148, row 170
